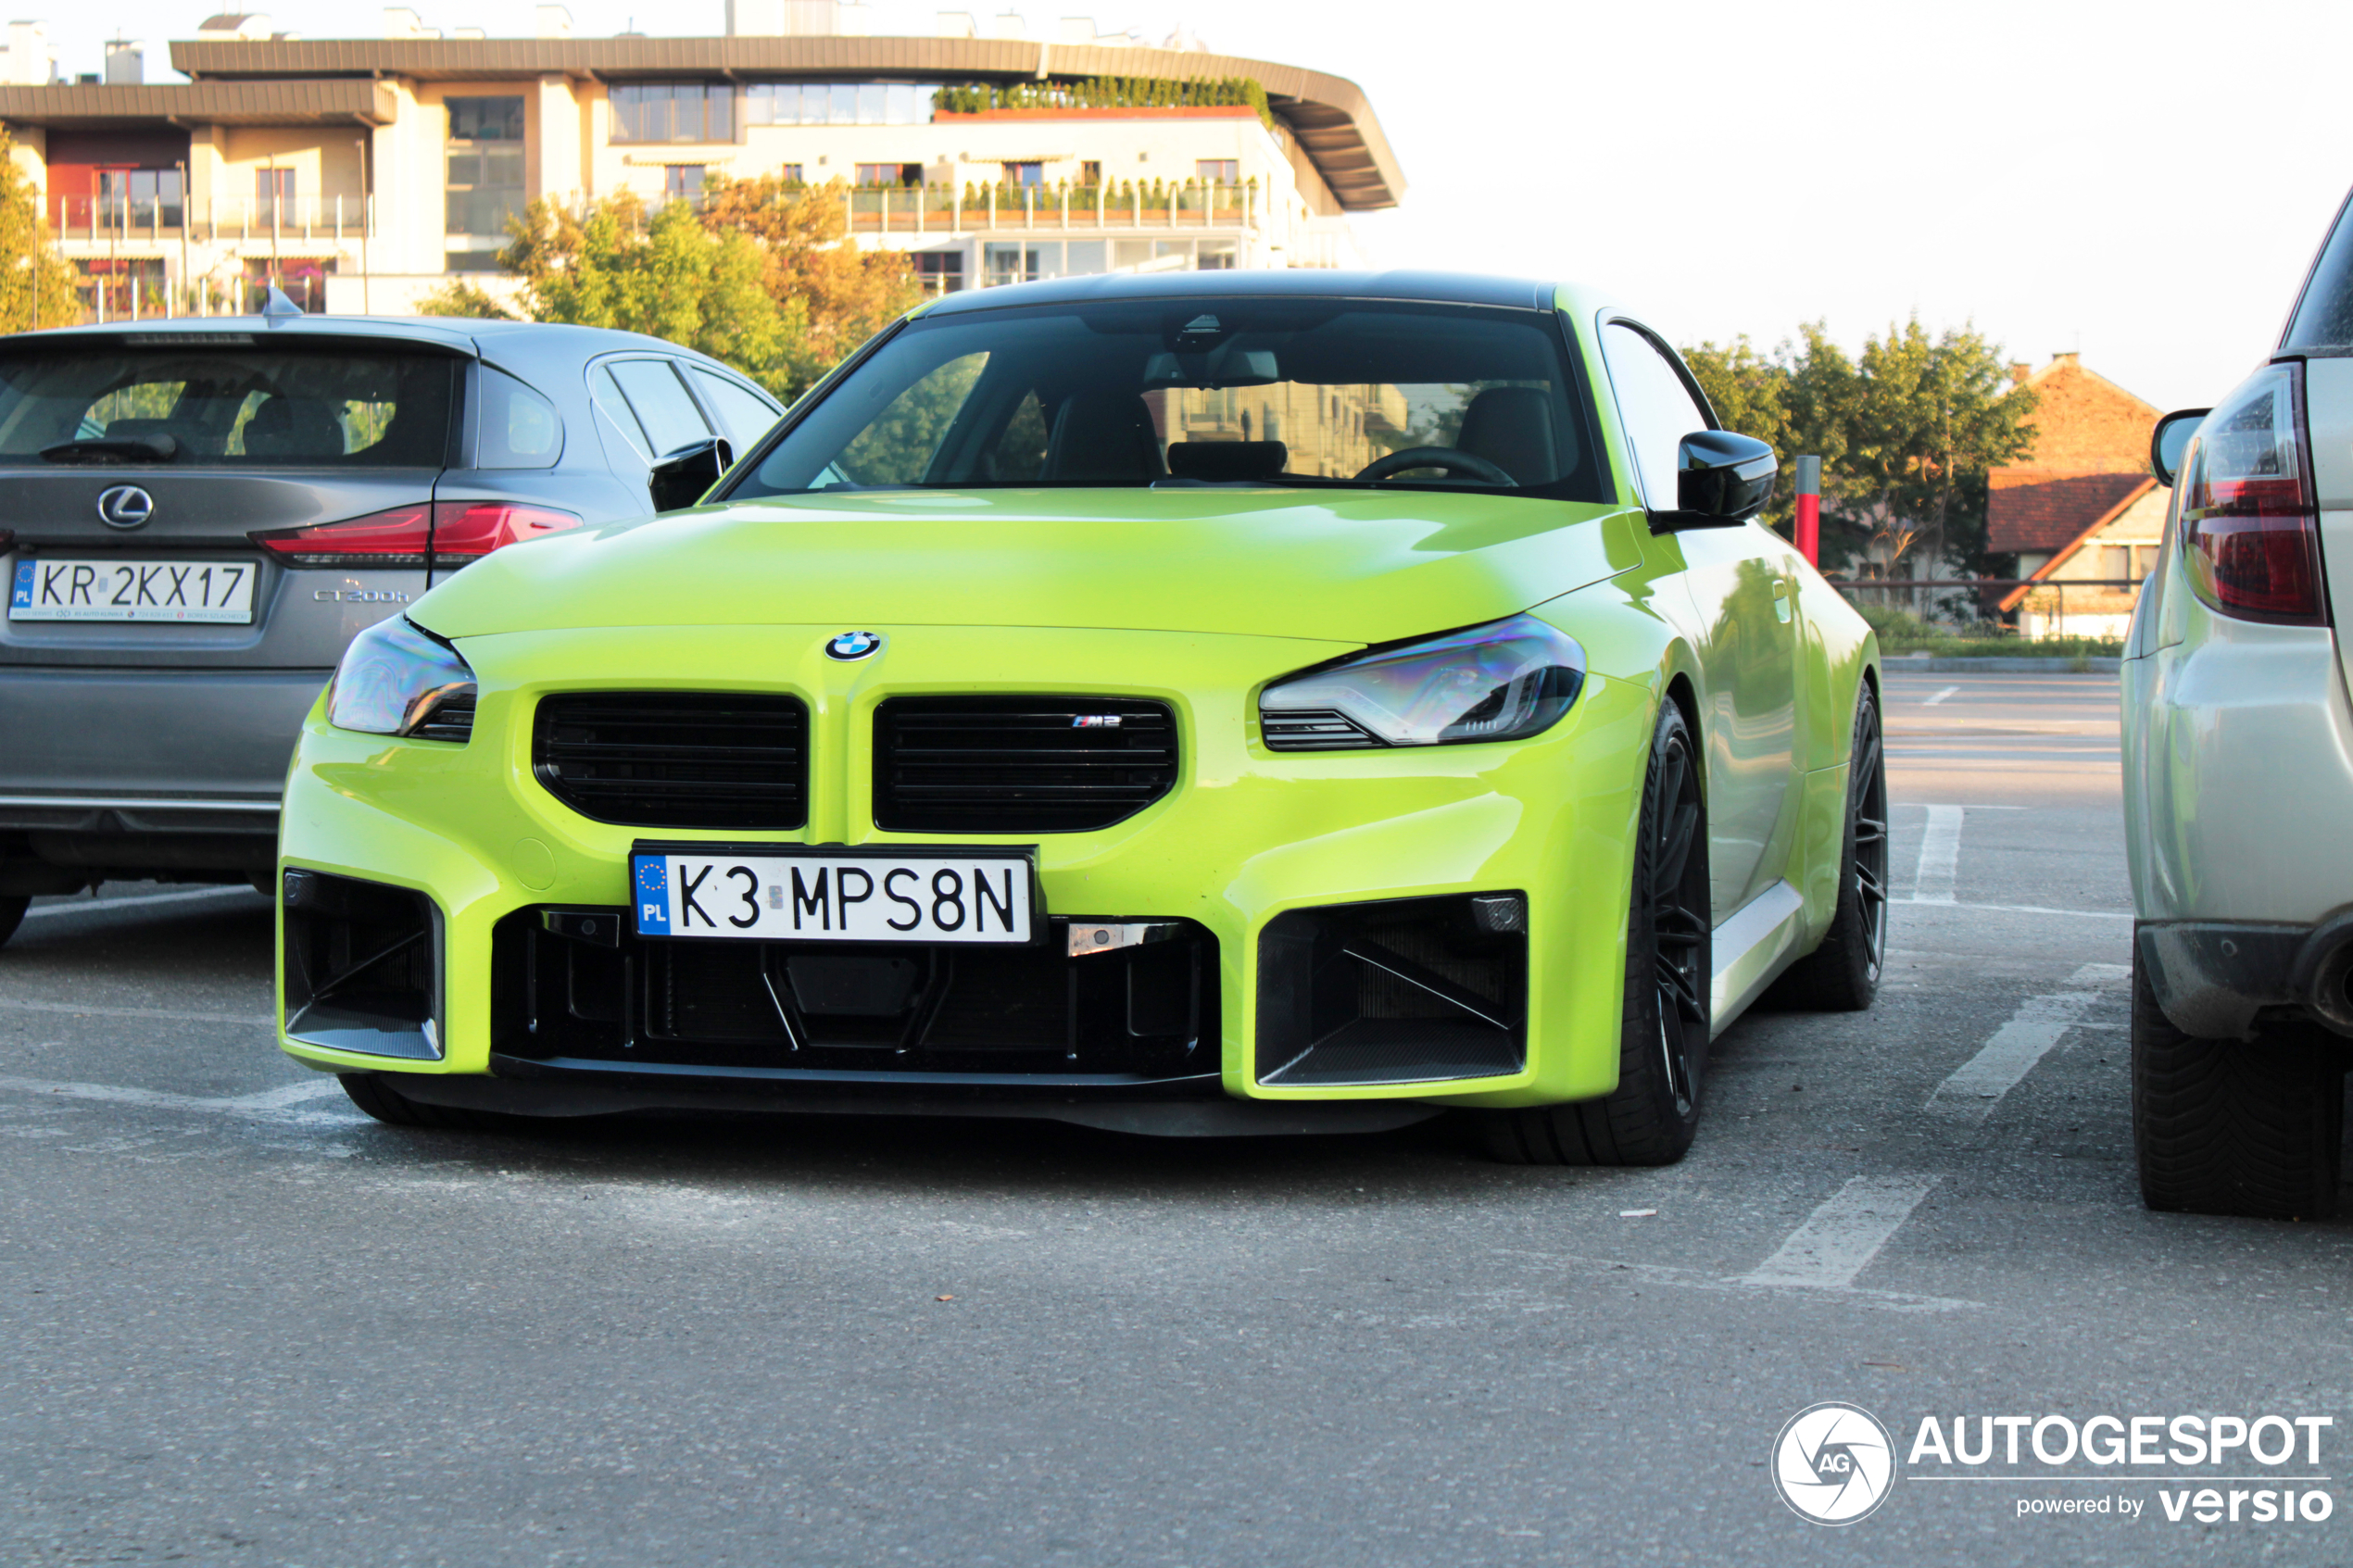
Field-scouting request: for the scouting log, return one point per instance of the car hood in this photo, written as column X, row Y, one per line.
column 1336, row 565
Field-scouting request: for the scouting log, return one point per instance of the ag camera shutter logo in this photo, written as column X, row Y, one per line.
column 1833, row 1463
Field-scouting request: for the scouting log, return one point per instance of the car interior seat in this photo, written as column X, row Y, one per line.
column 1104, row 438
column 293, row 428
column 1511, row 427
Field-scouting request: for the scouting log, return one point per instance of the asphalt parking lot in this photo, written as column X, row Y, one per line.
column 239, row 1323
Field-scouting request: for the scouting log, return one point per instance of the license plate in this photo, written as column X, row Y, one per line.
column 51, row 588
column 834, row 895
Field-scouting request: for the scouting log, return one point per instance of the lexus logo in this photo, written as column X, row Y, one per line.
column 125, row 505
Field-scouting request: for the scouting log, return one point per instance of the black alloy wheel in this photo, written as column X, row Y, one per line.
column 1843, row 975
column 1651, row 1115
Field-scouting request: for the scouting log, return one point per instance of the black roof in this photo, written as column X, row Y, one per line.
column 1444, row 288
column 466, row 335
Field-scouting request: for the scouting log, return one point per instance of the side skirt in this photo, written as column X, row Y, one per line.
column 1751, row 951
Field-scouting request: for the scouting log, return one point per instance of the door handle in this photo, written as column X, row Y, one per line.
column 1780, row 601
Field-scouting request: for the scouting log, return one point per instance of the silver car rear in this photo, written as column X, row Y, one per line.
column 197, row 516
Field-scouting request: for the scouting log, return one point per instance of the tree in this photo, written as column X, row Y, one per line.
column 459, row 298
column 670, row 277
column 765, row 277
column 1907, row 433
column 845, row 294
column 38, row 287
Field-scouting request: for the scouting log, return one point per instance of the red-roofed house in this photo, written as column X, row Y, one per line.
column 2080, row 504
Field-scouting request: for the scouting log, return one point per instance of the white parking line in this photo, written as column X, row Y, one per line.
column 1839, row 1239
column 1645, row 1273
column 79, row 1009
column 1978, row 1084
column 97, row 906
column 2019, row 908
column 1940, row 697
column 1940, row 857
column 268, row 1104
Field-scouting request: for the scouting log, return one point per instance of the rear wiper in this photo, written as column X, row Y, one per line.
column 113, row 449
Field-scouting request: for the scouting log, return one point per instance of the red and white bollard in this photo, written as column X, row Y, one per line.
column 1809, row 509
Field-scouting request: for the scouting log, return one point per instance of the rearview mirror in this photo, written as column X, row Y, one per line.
column 681, row 475
column 2171, row 439
column 1721, row 480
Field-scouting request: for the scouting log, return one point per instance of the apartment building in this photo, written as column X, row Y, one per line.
column 362, row 173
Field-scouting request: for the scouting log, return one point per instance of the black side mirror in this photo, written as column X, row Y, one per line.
column 680, row 477
column 1721, row 480
column 2171, row 439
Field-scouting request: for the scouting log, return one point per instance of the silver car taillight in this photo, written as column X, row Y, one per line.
column 2249, row 529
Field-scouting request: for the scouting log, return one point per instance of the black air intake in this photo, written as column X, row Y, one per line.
column 676, row 759
column 1019, row 764
column 362, row 969
column 1404, row 991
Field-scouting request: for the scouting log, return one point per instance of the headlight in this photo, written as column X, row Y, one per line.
column 1505, row 680
column 398, row 679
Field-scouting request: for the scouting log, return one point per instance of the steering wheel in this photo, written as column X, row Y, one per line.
column 1447, row 457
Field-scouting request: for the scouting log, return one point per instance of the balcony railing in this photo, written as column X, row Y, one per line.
column 912, row 209
column 101, row 220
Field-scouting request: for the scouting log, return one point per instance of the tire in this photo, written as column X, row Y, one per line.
column 12, row 910
column 2254, row 1128
column 372, row 1093
column 1651, row 1115
column 1843, row 975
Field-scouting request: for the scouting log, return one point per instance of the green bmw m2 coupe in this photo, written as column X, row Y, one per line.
column 1198, row 703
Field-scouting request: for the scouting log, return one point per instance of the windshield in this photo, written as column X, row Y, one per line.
column 1244, row 391
column 226, row 404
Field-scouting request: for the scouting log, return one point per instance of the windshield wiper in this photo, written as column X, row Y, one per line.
column 113, row 449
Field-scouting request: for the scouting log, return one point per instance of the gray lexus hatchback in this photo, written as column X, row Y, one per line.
column 195, row 516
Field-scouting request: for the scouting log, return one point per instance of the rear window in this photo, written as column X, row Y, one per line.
column 2324, row 316
column 229, row 405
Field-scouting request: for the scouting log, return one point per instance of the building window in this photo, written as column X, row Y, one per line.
column 486, row 185
column 792, row 175
column 484, row 120
column 1218, row 170
column 300, row 279
column 2143, row 560
column 140, row 197
column 890, row 174
column 673, row 111
column 116, row 288
column 1090, row 172
column 941, row 271
column 682, row 183
column 273, row 196
column 825, row 103
column 1025, row 173
column 1214, row 256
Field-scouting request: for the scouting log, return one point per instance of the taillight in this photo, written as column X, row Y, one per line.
column 464, row 531
column 448, row 533
column 398, row 537
column 2250, row 534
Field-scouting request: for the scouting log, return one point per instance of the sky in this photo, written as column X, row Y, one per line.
column 2142, row 184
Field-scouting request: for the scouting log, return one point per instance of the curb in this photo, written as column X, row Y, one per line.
column 2000, row 664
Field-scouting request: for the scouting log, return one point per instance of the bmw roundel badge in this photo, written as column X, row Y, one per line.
column 853, row 645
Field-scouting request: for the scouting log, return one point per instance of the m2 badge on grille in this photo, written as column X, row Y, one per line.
column 772, row 894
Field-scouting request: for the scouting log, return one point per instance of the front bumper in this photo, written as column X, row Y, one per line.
column 1247, row 837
